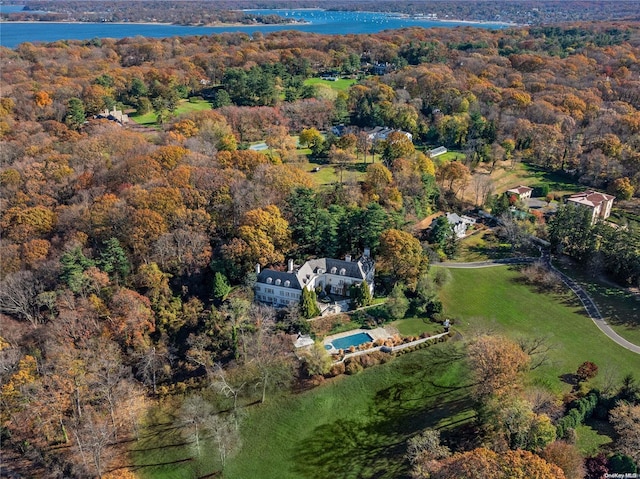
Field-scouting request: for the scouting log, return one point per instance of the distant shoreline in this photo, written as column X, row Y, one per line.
column 238, row 24
column 166, row 24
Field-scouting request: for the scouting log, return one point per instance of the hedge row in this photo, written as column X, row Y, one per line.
column 580, row 410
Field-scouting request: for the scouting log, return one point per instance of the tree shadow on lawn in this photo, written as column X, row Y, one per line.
column 618, row 306
column 371, row 447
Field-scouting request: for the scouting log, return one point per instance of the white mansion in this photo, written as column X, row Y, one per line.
column 335, row 276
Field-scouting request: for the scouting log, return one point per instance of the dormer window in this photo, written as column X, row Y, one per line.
column 278, row 281
column 343, row 272
column 269, row 280
column 287, row 283
column 333, row 270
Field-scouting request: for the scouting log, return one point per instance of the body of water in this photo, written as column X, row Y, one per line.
column 318, row 21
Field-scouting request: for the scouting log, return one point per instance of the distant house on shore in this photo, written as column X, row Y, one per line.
column 599, row 203
column 521, row 192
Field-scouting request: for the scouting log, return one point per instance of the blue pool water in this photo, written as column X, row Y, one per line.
column 353, row 340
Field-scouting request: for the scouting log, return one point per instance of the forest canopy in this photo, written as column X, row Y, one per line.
column 140, row 243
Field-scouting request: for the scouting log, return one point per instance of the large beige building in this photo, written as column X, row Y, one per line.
column 599, row 203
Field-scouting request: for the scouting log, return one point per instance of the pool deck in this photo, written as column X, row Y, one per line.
column 377, row 333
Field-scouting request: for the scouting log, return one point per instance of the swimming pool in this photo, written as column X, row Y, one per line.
column 352, row 340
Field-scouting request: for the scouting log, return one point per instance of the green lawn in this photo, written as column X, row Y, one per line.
column 184, row 106
column 328, row 174
column 618, row 306
column 357, row 426
column 482, row 246
column 416, row 326
column 496, row 300
column 350, row 427
column 342, row 84
column 449, row 156
column 592, row 435
column 533, row 176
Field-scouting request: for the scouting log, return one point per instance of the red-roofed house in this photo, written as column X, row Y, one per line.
column 521, row 192
column 599, row 203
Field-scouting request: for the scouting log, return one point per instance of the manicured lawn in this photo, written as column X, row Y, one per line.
column 184, row 106
column 349, row 427
column 495, row 300
column 328, row 174
column 449, row 156
column 416, row 326
column 357, row 426
column 592, row 435
column 533, row 176
column 618, row 306
column 342, row 84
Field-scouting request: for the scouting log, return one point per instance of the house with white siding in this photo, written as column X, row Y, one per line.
column 334, row 276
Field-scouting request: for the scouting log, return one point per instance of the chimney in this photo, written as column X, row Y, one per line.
column 290, row 266
column 367, row 253
column 257, row 268
column 347, row 258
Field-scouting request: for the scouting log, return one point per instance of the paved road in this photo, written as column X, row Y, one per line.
column 594, row 313
column 589, row 305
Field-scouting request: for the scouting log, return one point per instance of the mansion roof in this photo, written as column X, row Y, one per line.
column 590, row 198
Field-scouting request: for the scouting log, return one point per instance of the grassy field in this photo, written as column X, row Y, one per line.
column 530, row 175
column 416, row 325
column 592, row 435
column 618, row 306
column 482, row 246
column 342, row 84
column 355, row 427
column 328, row 174
column 350, row 427
column 496, row 300
column 185, row 106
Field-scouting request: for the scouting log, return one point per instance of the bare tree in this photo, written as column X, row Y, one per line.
column 93, row 435
column 193, row 415
column 267, row 351
column 225, row 435
column 537, row 348
column 107, row 381
column 482, row 187
column 224, row 385
column 153, row 363
column 18, row 296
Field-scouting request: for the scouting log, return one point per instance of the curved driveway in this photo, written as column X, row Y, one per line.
column 589, row 305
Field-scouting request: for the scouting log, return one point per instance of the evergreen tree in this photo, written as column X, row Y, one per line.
column 221, row 287
column 113, row 260
column 360, row 295
column 308, row 305
column 75, row 113
column 74, row 263
column 397, row 303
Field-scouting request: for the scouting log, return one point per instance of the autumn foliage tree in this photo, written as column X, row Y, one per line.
column 401, row 257
column 496, row 364
column 483, row 463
